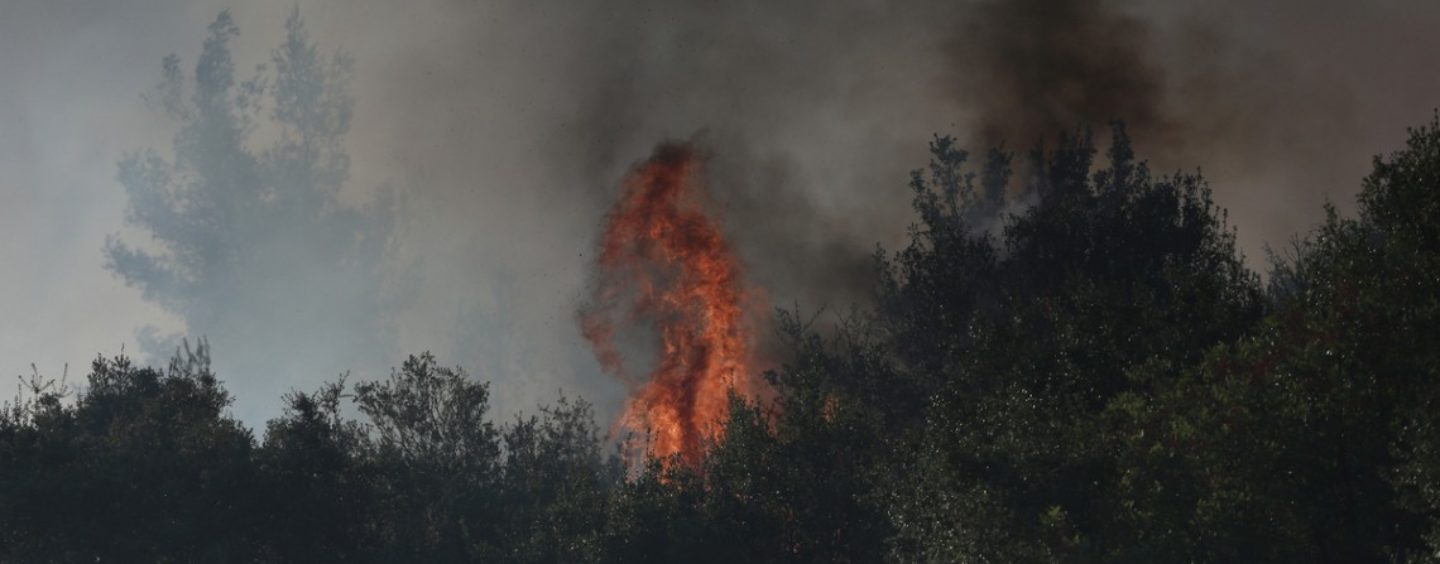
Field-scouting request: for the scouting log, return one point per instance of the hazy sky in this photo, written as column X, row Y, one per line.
column 505, row 127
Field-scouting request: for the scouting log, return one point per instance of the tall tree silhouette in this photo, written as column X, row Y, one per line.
column 252, row 243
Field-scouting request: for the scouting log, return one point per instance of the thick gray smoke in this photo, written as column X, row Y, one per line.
column 505, row 126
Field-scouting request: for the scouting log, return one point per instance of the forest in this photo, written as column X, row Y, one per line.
column 1095, row 376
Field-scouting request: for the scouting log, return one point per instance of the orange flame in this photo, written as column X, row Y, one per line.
column 665, row 264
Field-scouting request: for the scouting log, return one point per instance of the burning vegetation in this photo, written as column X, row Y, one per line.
column 664, row 265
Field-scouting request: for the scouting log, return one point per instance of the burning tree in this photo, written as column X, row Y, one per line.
column 665, row 264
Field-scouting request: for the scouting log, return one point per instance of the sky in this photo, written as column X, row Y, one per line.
column 505, row 128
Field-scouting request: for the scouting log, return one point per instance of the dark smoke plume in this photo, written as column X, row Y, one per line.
column 1036, row 68
column 1027, row 70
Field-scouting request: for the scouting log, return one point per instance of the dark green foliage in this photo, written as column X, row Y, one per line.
column 1015, row 343
column 1312, row 437
column 320, row 503
column 142, row 466
column 437, row 454
column 555, row 487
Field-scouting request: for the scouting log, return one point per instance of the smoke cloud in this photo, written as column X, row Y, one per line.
column 1033, row 68
column 505, row 128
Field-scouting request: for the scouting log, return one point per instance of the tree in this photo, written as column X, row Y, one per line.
column 255, row 247
column 1311, row 438
column 438, row 456
column 556, row 487
column 321, row 488
column 991, row 362
column 143, row 466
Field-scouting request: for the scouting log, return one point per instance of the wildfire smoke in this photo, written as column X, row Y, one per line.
column 664, row 264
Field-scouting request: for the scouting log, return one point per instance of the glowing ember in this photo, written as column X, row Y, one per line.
column 664, row 264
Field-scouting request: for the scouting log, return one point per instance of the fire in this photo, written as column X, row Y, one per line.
column 664, row 264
